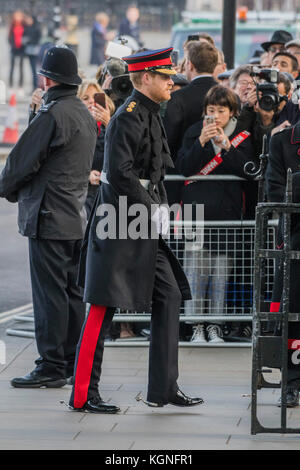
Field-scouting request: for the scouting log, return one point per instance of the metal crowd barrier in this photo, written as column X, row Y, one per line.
column 220, row 270
column 270, row 350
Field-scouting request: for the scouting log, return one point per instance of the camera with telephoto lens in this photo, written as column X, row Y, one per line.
column 267, row 92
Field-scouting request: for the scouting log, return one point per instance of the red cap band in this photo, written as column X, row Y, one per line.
column 140, row 66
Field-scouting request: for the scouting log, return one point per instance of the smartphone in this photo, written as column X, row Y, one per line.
column 209, row 119
column 193, row 37
column 100, row 98
column 174, row 57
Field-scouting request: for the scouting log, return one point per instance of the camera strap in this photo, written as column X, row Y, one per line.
column 217, row 160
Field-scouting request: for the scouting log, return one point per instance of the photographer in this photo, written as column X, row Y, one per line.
column 261, row 116
column 242, row 83
column 114, row 79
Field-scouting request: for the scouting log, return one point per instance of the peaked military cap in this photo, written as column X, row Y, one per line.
column 158, row 61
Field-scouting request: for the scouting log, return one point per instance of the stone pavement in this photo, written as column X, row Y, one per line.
column 35, row 419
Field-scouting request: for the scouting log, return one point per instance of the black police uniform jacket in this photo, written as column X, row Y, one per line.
column 120, row 272
column 48, row 169
column 284, row 153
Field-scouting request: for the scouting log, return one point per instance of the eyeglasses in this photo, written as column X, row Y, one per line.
column 244, row 83
column 276, row 48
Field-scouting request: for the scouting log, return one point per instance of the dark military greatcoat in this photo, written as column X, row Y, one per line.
column 119, row 271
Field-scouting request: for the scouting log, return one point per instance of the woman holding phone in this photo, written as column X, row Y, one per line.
column 216, row 145
column 101, row 110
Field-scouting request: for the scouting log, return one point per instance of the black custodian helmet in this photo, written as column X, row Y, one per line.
column 60, row 64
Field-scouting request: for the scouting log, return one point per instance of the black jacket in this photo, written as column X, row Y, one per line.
column 97, row 46
column 223, row 200
column 48, row 169
column 97, row 165
column 119, row 271
column 284, row 153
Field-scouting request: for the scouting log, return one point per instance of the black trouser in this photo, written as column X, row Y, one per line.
column 33, row 62
column 59, row 311
column 13, row 56
column 293, row 374
column 163, row 353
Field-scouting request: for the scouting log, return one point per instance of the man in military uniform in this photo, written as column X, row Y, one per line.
column 284, row 154
column 135, row 273
column 47, row 173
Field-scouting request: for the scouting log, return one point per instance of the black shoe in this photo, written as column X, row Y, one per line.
column 97, row 405
column 35, row 380
column 292, row 398
column 180, row 399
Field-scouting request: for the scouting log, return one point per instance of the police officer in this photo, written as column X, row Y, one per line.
column 284, row 154
column 47, row 174
column 135, row 273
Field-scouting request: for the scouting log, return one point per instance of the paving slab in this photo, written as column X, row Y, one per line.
column 37, row 419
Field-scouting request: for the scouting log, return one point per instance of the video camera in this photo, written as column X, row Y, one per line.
column 120, row 86
column 267, row 93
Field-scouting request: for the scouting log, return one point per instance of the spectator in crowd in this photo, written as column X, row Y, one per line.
column 242, row 83
column 276, row 43
column 86, row 92
column 286, row 62
column 202, row 142
column 15, row 39
column 260, row 122
column 202, row 37
column 224, row 78
column 220, row 67
column 99, row 38
column 186, row 105
column 32, row 36
column 130, row 26
column 293, row 47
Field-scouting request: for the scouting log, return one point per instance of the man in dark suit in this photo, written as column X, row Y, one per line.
column 47, row 173
column 186, row 105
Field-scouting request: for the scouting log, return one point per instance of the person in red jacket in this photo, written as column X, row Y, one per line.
column 15, row 39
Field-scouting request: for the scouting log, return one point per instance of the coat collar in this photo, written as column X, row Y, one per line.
column 199, row 80
column 147, row 102
column 60, row 91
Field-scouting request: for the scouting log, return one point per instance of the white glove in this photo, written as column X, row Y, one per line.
column 157, row 220
column 161, row 220
column 165, row 220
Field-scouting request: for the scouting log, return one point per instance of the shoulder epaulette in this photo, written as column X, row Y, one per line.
column 131, row 106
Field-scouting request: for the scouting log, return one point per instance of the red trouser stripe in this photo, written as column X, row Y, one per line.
column 86, row 354
column 274, row 307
